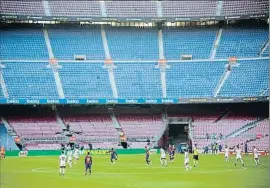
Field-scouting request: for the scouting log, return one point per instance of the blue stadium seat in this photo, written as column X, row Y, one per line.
column 1, row 93
column 241, row 42
column 193, row 79
column 197, row 42
column 23, row 44
column 250, row 78
column 77, row 41
column 29, row 80
column 127, row 43
column 85, row 80
column 137, row 80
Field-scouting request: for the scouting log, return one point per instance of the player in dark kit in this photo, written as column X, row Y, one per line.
column 147, row 156
column 114, row 155
column 88, row 163
column 170, row 152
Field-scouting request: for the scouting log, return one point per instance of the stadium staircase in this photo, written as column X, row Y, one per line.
column 244, row 128
column 55, row 70
column 9, row 129
column 109, row 67
column 159, row 9
column 223, row 115
column 264, row 48
column 216, row 44
column 103, row 9
column 219, row 8
column 162, row 68
column 3, row 84
column 264, row 92
column 222, row 80
column 59, row 120
column 46, row 8
column 116, row 124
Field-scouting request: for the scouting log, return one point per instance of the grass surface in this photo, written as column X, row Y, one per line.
column 132, row 172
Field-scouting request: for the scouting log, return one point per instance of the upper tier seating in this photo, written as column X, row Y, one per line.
column 188, row 8
column 249, row 78
column 193, row 79
column 141, row 126
column 17, row 44
column 77, row 41
column 241, row 42
column 75, row 8
column 84, row 80
column 244, row 7
column 197, row 42
column 95, row 127
column 127, row 43
column 131, row 8
column 12, row 7
column 29, row 80
column 137, row 80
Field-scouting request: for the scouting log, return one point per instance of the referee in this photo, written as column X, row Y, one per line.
column 195, row 156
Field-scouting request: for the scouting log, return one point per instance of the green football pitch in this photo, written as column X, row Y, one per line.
column 130, row 171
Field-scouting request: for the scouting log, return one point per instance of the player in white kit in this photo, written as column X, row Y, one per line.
column 187, row 167
column 238, row 155
column 76, row 155
column 69, row 156
column 163, row 160
column 256, row 156
column 62, row 163
column 226, row 152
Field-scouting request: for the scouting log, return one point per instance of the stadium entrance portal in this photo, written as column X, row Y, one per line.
column 178, row 130
column 178, row 133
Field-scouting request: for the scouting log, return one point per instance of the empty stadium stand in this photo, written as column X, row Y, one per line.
column 17, row 44
column 126, row 43
column 22, row 7
column 137, row 80
column 193, row 79
column 92, row 127
column 36, row 129
column 29, row 80
column 204, row 125
column 131, row 8
column 77, row 41
column 249, row 78
column 84, row 80
column 242, row 42
column 243, row 7
column 188, row 8
column 197, row 42
column 75, row 8
column 142, row 126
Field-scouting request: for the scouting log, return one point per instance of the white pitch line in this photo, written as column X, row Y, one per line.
column 43, row 170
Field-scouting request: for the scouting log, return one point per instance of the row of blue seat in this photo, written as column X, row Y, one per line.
column 136, row 80
column 127, row 43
